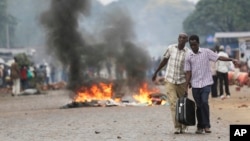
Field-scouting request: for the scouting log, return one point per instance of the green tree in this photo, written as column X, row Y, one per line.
column 7, row 22
column 23, row 59
column 3, row 22
column 212, row 16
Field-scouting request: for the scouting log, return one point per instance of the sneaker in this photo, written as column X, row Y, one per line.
column 14, row 95
column 177, row 131
column 222, row 97
column 183, row 130
column 207, row 130
column 228, row 96
column 199, row 131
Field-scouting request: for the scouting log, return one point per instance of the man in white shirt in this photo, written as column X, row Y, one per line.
column 214, row 91
column 222, row 73
column 248, row 65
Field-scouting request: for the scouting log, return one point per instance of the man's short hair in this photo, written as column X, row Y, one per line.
column 194, row 37
column 15, row 59
column 221, row 48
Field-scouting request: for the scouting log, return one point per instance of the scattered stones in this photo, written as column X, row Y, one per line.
column 97, row 132
column 243, row 106
column 119, row 137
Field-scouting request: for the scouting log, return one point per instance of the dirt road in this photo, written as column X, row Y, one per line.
column 39, row 118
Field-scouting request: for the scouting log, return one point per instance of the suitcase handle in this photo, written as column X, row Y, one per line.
column 181, row 104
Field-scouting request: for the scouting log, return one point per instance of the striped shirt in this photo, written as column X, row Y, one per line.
column 199, row 65
column 175, row 67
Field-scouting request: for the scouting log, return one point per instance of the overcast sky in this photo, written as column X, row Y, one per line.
column 195, row 1
column 105, row 2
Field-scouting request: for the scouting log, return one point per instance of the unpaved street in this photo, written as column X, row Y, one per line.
column 39, row 118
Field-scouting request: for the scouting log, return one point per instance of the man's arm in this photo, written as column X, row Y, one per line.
column 188, row 78
column 222, row 58
column 162, row 64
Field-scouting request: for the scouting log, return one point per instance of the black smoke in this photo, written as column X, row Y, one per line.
column 63, row 37
column 118, row 43
column 121, row 43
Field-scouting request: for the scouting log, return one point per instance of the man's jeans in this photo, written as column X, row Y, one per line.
column 201, row 96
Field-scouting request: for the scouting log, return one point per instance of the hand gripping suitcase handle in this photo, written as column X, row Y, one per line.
column 181, row 104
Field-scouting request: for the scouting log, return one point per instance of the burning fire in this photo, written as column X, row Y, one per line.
column 144, row 94
column 99, row 91
column 104, row 91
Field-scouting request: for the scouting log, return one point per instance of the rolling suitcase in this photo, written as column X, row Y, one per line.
column 185, row 111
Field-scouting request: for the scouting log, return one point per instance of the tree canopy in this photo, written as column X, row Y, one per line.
column 212, row 16
column 2, row 21
column 5, row 20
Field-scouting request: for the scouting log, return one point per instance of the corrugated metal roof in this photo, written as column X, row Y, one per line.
column 231, row 34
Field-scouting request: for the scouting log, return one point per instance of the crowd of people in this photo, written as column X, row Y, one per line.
column 19, row 77
column 24, row 77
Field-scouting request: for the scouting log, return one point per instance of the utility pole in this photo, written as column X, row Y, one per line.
column 7, row 36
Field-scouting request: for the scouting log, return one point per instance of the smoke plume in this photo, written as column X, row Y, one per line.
column 118, row 45
column 121, row 44
column 63, row 37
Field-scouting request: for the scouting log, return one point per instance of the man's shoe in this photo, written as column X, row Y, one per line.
column 228, row 96
column 183, row 130
column 177, row 131
column 207, row 130
column 199, row 131
column 13, row 95
column 222, row 97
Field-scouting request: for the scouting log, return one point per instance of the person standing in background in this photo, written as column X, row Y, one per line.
column 214, row 91
column 24, row 78
column 15, row 77
column 248, row 66
column 1, row 75
column 222, row 73
column 48, row 73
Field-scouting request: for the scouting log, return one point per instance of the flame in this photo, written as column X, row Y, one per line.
column 104, row 91
column 144, row 94
column 99, row 91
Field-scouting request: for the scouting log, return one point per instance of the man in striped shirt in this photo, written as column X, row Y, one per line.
column 174, row 58
column 199, row 77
